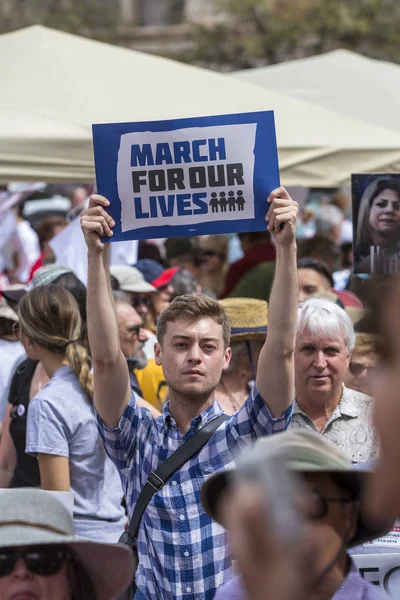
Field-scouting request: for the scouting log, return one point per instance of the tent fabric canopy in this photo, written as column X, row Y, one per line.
column 342, row 81
column 56, row 85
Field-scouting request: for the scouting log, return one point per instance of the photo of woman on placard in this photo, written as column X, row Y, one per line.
column 377, row 239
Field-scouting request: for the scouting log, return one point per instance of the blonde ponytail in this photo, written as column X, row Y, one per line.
column 80, row 362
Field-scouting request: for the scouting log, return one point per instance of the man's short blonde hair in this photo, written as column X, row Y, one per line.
column 194, row 307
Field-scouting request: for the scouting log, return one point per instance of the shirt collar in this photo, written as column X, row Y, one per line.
column 210, row 413
column 347, row 405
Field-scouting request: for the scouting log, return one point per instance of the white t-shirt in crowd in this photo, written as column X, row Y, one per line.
column 61, row 422
column 28, row 249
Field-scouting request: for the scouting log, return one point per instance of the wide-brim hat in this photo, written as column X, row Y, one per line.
column 32, row 517
column 248, row 318
column 43, row 276
column 303, row 452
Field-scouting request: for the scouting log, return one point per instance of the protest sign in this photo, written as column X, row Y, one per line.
column 382, row 570
column 187, row 176
column 376, row 223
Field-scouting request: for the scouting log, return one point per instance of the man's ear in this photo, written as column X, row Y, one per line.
column 353, row 520
column 158, row 354
column 227, row 358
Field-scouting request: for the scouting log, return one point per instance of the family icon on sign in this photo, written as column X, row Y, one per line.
column 223, row 202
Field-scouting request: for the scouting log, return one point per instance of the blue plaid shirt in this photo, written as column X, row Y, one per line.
column 183, row 552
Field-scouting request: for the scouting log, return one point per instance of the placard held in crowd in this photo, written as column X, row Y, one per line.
column 188, row 176
column 376, row 222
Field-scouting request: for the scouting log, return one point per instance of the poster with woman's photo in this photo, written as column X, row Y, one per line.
column 376, row 222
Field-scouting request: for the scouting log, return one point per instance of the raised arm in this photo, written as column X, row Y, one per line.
column 275, row 372
column 110, row 370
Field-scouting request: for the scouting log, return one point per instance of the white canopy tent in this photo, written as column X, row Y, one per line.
column 343, row 81
column 55, row 85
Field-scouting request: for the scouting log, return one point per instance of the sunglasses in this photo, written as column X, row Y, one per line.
column 39, row 561
column 318, row 506
column 135, row 329
column 357, row 368
column 140, row 300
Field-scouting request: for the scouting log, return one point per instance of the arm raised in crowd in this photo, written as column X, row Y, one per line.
column 110, row 371
column 275, row 373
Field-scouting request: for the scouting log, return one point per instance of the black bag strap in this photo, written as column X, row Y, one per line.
column 156, row 479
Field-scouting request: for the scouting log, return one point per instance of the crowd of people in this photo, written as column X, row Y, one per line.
column 101, row 382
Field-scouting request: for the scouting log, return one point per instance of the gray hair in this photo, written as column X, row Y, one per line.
column 328, row 217
column 323, row 318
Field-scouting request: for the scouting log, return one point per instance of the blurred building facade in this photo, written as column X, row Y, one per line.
column 157, row 26
column 161, row 26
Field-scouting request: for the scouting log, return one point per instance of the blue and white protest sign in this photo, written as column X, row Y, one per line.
column 187, row 176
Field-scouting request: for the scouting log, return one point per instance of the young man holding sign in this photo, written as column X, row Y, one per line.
column 182, row 552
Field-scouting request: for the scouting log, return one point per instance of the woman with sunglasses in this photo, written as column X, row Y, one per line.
column 41, row 558
column 61, row 424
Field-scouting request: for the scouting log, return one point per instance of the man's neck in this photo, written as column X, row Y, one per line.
column 332, row 581
column 320, row 407
column 184, row 409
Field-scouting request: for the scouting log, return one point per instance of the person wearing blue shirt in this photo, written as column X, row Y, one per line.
column 182, row 552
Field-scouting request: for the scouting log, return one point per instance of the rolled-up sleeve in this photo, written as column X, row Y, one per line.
column 254, row 420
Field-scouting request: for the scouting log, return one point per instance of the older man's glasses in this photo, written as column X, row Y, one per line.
column 317, row 506
column 135, row 330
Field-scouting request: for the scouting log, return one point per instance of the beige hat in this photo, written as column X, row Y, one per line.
column 248, row 318
column 33, row 517
column 303, row 451
column 130, row 279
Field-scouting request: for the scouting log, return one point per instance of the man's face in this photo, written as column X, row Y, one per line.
column 361, row 371
column 311, row 283
column 193, row 357
column 320, row 366
column 337, row 526
column 131, row 334
column 162, row 299
column 385, row 489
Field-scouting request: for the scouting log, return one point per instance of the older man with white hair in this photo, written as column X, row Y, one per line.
column 324, row 343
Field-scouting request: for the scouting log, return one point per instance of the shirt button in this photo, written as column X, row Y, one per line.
column 182, row 517
column 188, row 589
column 174, row 483
column 186, row 554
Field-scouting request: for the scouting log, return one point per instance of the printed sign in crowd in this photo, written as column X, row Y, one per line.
column 188, row 176
column 376, row 222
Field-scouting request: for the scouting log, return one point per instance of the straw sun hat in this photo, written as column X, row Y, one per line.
column 303, row 452
column 32, row 517
column 248, row 318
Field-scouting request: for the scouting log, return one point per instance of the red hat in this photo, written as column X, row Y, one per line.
column 165, row 278
column 349, row 299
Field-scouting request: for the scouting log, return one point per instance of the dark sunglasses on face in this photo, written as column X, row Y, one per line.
column 357, row 368
column 38, row 560
column 318, row 506
column 140, row 300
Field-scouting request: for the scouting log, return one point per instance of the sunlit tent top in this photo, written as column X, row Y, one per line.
column 55, row 85
column 342, row 81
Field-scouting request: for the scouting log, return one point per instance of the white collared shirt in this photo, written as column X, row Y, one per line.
column 349, row 427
